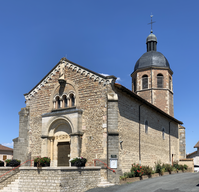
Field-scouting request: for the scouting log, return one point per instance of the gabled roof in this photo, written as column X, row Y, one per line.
column 196, row 145
column 191, row 153
column 132, row 94
column 75, row 67
column 4, row 148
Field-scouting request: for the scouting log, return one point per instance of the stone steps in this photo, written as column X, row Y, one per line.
column 105, row 183
column 12, row 187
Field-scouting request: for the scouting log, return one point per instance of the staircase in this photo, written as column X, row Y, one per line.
column 12, row 187
column 104, row 183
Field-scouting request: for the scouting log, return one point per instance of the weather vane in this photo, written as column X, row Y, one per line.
column 151, row 23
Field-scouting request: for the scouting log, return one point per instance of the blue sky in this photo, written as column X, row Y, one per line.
column 106, row 36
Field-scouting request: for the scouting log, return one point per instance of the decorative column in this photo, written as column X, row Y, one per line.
column 76, row 144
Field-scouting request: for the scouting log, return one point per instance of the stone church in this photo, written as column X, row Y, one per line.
column 74, row 111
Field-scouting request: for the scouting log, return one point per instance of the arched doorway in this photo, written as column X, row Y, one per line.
column 60, row 142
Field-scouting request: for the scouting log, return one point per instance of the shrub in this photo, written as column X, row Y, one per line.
column 176, row 165
column 168, row 167
column 158, row 167
column 162, row 171
column 147, row 170
column 137, row 170
column 123, row 177
column 185, row 167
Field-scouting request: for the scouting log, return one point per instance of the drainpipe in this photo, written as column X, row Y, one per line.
column 139, row 135
column 107, row 137
column 170, row 141
column 151, row 89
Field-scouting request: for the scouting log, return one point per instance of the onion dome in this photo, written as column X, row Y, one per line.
column 152, row 58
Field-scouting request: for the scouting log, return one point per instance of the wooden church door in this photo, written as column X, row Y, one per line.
column 63, row 153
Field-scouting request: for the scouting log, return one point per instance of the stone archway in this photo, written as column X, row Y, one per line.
column 60, row 142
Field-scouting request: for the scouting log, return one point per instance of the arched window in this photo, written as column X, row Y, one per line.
column 144, row 82
column 146, row 126
column 65, row 101
column 57, row 102
column 170, row 83
column 160, row 80
column 72, row 100
column 163, row 133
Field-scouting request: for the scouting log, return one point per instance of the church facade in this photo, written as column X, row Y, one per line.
column 74, row 111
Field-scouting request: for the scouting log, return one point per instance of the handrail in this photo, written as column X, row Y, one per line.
column 104, row 164
column 17, row 167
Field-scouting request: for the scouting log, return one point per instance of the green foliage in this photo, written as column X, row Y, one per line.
column 162, row 171
column 185, row 167
column 42, row 160
column 176, row 165
column 78, row 161
column 123, row 177
column 168, row 168
column 129, row 174
column 147, row 170
column 158, row 167
column 8, row 161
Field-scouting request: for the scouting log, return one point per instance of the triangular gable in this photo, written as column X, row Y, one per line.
column 75, row 67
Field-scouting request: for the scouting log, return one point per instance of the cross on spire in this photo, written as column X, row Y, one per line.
column 151, row 23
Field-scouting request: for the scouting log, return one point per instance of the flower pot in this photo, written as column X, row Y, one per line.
column 42, row 164
column 78, row 164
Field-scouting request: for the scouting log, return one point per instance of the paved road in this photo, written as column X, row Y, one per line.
column 182, row 182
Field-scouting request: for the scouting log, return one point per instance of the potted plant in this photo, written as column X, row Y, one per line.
column 1, row 163
column 42, row 162
column 78, row 161
column 12, row 162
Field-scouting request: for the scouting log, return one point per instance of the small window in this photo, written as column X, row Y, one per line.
column 163, row 133
column 134, row 85
column 4, row 157
column 72, row 100
column 144, row 82
column 65, row 101
column 170, row 83
column 57, row 102
column 146, row 126
column 160, row 81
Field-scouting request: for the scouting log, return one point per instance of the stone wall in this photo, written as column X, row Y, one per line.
column 139, row 146
column 188, row 162
column 21, row 143
column 182, row 143
column 70, row 179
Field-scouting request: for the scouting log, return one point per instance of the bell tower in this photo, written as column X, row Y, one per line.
column 152, row 77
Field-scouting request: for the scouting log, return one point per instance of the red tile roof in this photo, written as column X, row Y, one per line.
column 4, row 148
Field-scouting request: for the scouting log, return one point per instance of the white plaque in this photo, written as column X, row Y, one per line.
column 113, row 163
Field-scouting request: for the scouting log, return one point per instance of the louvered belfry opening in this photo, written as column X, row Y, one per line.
column 160, row 79
column 144, row 82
